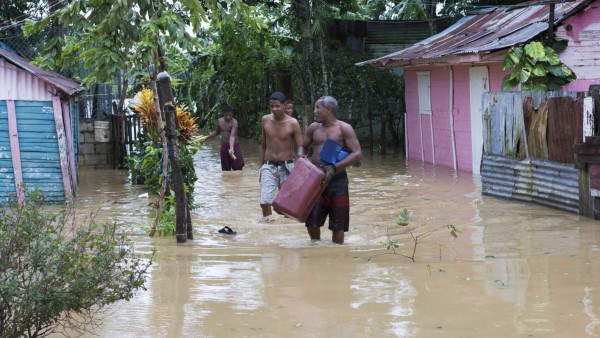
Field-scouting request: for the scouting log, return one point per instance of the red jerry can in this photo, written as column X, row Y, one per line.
column 300, row 191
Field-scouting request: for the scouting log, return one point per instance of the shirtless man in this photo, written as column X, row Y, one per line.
column 334, row 202
column 279, row 130
column 231, row 153
column 289, row 107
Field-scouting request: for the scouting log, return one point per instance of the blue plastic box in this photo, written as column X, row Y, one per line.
column 332, row 152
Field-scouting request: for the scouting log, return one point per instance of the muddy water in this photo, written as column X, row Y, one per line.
column 515, row 270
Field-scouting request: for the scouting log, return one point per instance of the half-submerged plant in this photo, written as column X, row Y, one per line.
column 392, row 243
column 57, row 274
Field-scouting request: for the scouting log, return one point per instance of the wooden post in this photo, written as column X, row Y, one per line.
column 165, row 99
column 550, row 36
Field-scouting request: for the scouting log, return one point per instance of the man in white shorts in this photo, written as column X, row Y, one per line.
column 279, row 130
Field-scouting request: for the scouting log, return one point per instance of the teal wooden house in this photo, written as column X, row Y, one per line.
column 38, row 142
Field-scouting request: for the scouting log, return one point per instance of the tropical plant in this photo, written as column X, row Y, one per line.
column 145, row 107
column 145, row 167
column 59, row 273
column 536, row 66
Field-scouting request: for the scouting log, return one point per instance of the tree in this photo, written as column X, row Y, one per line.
column 58, row 274
column 116, row 35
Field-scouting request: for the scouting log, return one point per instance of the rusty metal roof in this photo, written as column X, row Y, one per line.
column 64, row 84
column 482, row 32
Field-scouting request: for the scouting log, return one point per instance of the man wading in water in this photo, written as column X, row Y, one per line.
column 334, row 202
column 231, row 153
column 279, row 130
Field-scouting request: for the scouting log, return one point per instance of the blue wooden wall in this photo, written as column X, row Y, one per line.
column 38, row 143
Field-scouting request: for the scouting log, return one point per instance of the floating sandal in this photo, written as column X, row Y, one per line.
column 227, row 230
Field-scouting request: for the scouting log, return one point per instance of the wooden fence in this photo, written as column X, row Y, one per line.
column 528, row 141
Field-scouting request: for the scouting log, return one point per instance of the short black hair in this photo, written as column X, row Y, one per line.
column 279, row 96
column 227, row 109
column 288, row 101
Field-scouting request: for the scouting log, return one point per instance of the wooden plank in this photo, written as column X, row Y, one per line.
column 27, row 103
column 33, row 116
column 41, row 165
column 70, row 149
column 523, row 147
column 30, row 176
column 29, row 156
column 62, row 148
column 562, row 129
column 536, row 131
column 37, row 147
column 15, row 151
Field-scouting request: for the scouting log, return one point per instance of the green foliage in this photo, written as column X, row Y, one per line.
column 107, row 36
column 536, row 66
column 403, row 217
column 167, row 217
column 145, row 167
column 402, row 221
column 55, row 272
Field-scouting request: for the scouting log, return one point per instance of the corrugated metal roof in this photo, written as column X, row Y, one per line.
column 64, row 84
column 483, row 32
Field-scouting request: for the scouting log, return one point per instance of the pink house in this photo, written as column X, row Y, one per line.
column 446, row 74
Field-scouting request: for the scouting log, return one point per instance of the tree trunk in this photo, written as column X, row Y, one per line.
column 121, row 151
column 303, row 10
column 370, row 116
column 323, row 66
column 383, row 129
column 165, row 98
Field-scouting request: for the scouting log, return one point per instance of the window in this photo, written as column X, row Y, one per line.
column 423, row 80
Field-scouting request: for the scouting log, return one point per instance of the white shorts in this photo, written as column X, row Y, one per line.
column 271, row 178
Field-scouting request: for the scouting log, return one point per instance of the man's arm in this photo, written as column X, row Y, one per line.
column 214, row 133
column 233, row 134
column 232, row 138
column 297, row 135
column 263, row 142
column 306, row 142
column 353, row 145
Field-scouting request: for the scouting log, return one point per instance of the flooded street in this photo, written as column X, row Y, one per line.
column 514, row 270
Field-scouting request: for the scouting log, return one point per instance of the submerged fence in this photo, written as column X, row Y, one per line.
column 528, row 147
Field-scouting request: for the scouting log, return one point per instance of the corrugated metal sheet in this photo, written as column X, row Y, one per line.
column 18, row 84
column 62, row 83
column 547, row 183
column 483, row 32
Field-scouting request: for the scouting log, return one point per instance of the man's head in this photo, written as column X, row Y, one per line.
column 324, row 106
column 277, row 103
column 289, row 107
column 227, row 113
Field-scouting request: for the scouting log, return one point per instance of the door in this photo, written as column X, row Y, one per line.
column 479, row 84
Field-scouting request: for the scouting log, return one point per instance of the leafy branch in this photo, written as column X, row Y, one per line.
column 392, row 244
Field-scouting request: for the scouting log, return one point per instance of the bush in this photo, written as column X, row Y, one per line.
column 58, row 275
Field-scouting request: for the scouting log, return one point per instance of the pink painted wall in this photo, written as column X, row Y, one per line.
column 419, row 129
column 582, row 31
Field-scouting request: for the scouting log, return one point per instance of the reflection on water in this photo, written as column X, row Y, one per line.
column 514, row 270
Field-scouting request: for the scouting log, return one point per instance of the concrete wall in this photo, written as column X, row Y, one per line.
column 95, row 146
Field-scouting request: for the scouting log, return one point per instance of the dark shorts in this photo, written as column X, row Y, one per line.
column 335, row 203
column 227, row 163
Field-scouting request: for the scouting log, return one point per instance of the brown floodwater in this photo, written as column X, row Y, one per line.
column 515, row 270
